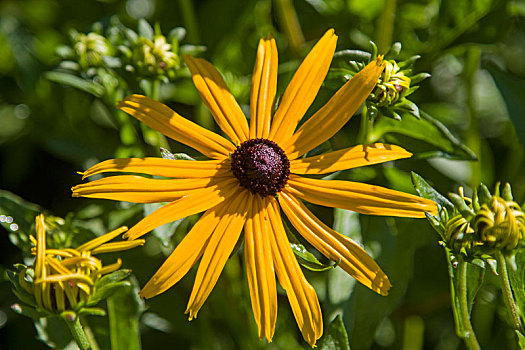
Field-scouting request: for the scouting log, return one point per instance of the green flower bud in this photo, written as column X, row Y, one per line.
column 154, row 57
column 90, row 49
column 500, row 224
column 392, row 85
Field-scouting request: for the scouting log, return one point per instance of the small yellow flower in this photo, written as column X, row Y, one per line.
column 254, row 175
column 392, row 85
column 91, row 49
column 64, row 279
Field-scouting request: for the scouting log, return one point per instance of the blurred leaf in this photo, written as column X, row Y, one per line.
column 516, row 273
column 76, row 82
column 53, row 332
column 156, row 322
column 334, row 337
column 145, row 30
column 340, row 283
column 511, row 88
column 124, row 309
column 16, row 211
column 434, row 138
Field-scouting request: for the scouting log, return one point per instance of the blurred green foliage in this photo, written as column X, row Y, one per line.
column 53, row 125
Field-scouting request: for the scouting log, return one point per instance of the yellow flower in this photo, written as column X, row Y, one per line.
column 64, row 279
column 251, row 177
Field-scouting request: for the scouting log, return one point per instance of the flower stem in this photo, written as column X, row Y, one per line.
column 288, row 19
column 366, row 126
column 507, row 292
column 468, row 336
column 78, row 333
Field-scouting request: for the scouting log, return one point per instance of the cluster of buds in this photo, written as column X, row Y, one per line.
column 389, row 97
column 66, row 280
column 117, row 51
column 485, row 224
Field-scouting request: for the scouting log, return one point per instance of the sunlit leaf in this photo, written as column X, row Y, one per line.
column 334, row 337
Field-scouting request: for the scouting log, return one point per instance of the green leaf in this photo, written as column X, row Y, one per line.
column 424, row 190
column 303, row 256
column 335, row 337
column 516, row 273
column 124, row 309
column 511, row 88
column 112, row 277
column 145, row 30
column 425, row 137
column 107, row 291
column 76, row 82
column 308, row 260
column 17, row 216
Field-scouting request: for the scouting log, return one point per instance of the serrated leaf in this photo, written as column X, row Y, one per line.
column 335, row 336
column 424, row 190
column 433, row 138
column 76, row 82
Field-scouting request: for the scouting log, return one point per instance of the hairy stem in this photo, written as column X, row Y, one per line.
column 508, row 296
column 468, row 336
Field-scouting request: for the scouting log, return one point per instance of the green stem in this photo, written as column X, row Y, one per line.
column 385, row 27
column 468, row 336
column 507, row 292
column 363, row 137
column 190, row 20
column 473, row 140
column 155, row 86
column 288, row 20
column 78, row 333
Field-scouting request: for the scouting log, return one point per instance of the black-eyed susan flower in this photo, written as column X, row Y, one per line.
column 254, row 175
column 66, row 279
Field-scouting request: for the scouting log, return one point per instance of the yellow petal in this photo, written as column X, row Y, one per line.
column 348, row 158
column 360, row 197
column 94, row 243
column 186, row 254
column 301, row 295
column 218, row 98
column 163, row 119
column 335, row 113
column 118, row 246
column 351, row 257
column 40, row 267
column 264, row 86
column 259, row 267
column 218, row 249
column 196, row 202
column 138, row 189
column 303, row 88
column 161, row 167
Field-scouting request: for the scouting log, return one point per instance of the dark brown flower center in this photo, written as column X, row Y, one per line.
column 261, row 166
